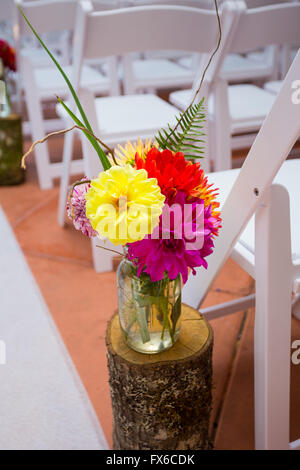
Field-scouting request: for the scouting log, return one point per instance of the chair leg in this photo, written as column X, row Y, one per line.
column 65, row 176
column 222, row 134
column 35, row 114
column 272, row 337
column 296, row 307
column 102, row 258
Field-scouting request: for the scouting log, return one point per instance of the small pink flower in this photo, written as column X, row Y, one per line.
column 76, row 211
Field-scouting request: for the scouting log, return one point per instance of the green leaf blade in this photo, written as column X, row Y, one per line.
column 104, row 160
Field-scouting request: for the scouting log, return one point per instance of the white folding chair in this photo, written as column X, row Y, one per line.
column 257, row 65
column 6, row 11
column 268, row 247
column 287, row 55
column 237, row 111
column 241, row 68
column 118, row 119
column 176, row 69
column 162, row 69
column 41, row 84
column 155, row 73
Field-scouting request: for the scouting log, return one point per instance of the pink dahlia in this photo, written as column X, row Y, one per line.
column 76, row 209
column 183, row 239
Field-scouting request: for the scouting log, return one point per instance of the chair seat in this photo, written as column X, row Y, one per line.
column 188, row 61
column 50, row 82
column 128, row 117
column 235, row 67
column 181, row 98
column 123, row 118
column 165, row 54
column 162, row 73
column 273, row 87
column 248, row 105
column 288, row 176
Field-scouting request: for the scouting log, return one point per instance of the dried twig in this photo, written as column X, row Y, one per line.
column 205, row 70
column 64, row 131
column 109, row 249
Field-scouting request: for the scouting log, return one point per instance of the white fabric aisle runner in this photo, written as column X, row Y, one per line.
column 43, row 404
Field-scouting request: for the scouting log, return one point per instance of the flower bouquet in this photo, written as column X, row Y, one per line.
column 153, row 199
column 7, row 63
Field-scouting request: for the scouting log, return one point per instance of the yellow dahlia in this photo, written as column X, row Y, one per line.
column 126, row 154
column 123, row 204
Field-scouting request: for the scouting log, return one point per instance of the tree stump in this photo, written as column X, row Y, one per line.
column 162, row 401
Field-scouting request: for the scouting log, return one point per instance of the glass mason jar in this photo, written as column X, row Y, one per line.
column 149, row 312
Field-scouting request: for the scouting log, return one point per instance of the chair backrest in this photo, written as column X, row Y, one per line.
column 108, row 4
column 128, row 30
column 271, row 147
column 6, row 10
column 123, row 31
column 176, row 27
column 46, row 16
column 206, row 4
column 267, row 25
column 261, row 3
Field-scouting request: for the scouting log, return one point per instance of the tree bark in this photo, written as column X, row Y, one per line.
column 162, row 401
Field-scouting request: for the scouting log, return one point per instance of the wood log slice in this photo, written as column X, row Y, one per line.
column 162, row 401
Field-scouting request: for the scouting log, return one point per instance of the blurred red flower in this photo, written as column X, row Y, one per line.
column 8, row 56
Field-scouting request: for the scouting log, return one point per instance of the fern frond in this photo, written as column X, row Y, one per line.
column 186, row 135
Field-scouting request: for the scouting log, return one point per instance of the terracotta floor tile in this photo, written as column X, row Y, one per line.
column 40, row 233
column 19, row 201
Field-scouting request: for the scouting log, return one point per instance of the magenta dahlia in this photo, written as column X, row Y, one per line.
column 183, row 239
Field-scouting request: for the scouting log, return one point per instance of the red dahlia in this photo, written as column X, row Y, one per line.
column 7, row 54
column 172, row 171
